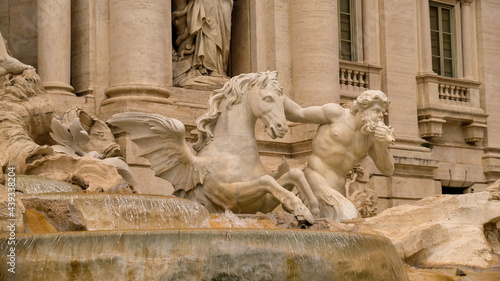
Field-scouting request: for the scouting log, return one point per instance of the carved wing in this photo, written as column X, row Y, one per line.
column 163, row 143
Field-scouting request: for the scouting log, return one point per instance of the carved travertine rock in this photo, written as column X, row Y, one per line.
column 95, row 140
column 226, row 172
column 78, row 131
column 25, row 114
column 494, row 189
column 69, row 137
column 344, row 137
column 88, row 172
column 7, row 212
column 441, row 230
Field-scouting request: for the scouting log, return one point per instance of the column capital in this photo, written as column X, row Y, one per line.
column 466, row 2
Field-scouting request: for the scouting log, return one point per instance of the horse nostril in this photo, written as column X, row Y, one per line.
column 279, row 126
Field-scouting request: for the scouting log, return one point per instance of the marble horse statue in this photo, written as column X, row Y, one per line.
column 222, row 169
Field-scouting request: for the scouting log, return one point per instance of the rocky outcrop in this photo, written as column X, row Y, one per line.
column 88, row 172
column 25, row 114
column 441, row 230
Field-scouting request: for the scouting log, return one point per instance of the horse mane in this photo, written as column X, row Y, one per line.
column 230, row 94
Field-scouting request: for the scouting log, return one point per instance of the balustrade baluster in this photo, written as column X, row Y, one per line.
column 349, row 79
column 343, row 81
column 362, row 82
column 441, row 92
column 355, row 82
column 465, row 95
column 454, row 95
column 446, row 93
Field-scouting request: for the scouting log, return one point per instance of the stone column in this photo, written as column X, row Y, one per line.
column 138, row 58
column 54, row 45
column 371, row 32
column 314, row 51
column 424, row 33
column 467, row 36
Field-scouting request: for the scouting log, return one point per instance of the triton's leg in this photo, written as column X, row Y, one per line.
column 332, row 204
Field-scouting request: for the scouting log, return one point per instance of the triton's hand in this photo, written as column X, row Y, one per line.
column 384, row 133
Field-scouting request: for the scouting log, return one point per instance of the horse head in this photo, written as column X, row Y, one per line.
column 264, row 100
column 259, row 93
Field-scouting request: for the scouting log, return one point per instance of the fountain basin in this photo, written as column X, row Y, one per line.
column 102, row 211
column 203, row 254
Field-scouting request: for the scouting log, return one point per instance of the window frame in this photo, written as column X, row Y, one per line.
column 453, row 38
column 353, row 30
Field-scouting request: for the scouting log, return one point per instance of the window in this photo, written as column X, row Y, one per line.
column 442, row 39
column 346, row 30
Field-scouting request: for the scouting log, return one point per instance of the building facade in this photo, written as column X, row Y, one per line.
column 436, row 61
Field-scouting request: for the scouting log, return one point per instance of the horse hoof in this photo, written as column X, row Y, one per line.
column 303, row 213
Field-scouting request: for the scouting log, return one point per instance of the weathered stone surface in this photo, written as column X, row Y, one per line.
column 452, row 274
column 25, row 114
column 61, row 214
column 93, row 171
column 9, row 215
column 80, row 134
column 440, row 230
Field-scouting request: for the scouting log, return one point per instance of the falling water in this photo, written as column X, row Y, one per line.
column 129, row 211
column 35, row 185
column 206, row 254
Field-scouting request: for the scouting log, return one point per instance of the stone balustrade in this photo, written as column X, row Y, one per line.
column 454, row 94
column 355, row 78
column 443, row 98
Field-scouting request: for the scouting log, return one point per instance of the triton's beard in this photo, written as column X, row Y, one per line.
column 369, row 126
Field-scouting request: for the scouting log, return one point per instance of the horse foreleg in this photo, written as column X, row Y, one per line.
column 295, row 177
column 239, row 196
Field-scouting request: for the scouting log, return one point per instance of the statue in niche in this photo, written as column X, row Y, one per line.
column 222, row 170
column 202, row 33
column 344, row 137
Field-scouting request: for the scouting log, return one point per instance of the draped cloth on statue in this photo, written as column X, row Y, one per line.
column 211, row 20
